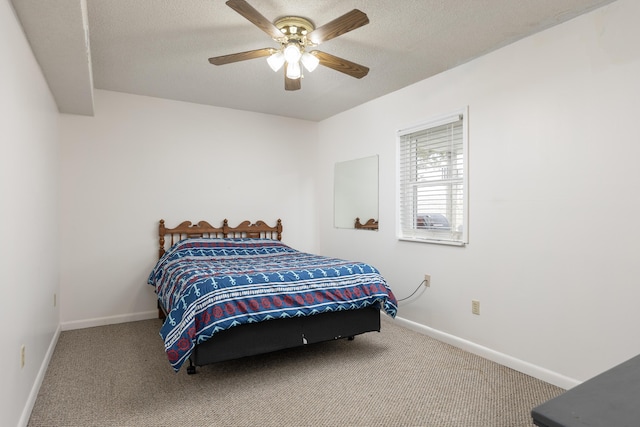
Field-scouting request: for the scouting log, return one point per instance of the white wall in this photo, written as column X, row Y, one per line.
column 141, row 159
column 554, row 202
column 28, row 221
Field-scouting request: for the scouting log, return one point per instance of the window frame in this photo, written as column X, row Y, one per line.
column 411, row 232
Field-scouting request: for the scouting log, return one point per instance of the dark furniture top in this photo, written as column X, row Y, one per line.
column 611, row 399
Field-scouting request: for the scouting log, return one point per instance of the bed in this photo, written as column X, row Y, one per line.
column 230, row 292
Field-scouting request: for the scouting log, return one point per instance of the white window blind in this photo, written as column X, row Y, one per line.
column 433, row 181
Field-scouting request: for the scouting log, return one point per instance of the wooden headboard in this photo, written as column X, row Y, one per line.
column 372, row 224
column 257, row 230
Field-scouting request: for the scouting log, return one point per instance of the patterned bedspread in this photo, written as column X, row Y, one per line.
column 209, row 285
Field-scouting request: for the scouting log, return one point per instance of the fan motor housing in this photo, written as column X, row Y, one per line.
column 294, row 27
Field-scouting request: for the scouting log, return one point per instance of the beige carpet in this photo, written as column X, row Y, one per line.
column 118, row 375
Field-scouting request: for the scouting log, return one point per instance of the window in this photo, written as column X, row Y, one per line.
column 433, row 180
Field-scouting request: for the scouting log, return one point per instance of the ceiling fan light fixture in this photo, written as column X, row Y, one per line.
column 309, row 61
column 276, row 61
column 292, row 53
column 293, row 70
column 295, row 35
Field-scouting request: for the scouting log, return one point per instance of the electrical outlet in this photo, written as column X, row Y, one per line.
column 427, row 280
column 22, row 355
column 475, row 306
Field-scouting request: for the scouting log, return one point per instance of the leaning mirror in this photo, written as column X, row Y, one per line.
column 356, row 193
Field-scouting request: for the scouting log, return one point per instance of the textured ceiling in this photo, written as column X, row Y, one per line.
column 161, row 48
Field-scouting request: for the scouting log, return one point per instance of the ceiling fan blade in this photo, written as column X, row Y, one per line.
column 347, row 22
column 290, row 84
column 340, row 64
column 241, row 56
column 246, row 10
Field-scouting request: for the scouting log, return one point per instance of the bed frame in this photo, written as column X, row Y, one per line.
column 271, row 335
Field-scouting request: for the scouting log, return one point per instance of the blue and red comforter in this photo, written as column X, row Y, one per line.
column 209, row 285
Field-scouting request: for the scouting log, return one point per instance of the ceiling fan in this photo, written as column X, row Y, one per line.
column 295, row 35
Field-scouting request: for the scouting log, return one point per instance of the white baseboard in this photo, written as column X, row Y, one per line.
column 501, row 358
column 33, row 395
column 109, row 320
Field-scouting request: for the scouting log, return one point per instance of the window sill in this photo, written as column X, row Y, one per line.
column 433, row 241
